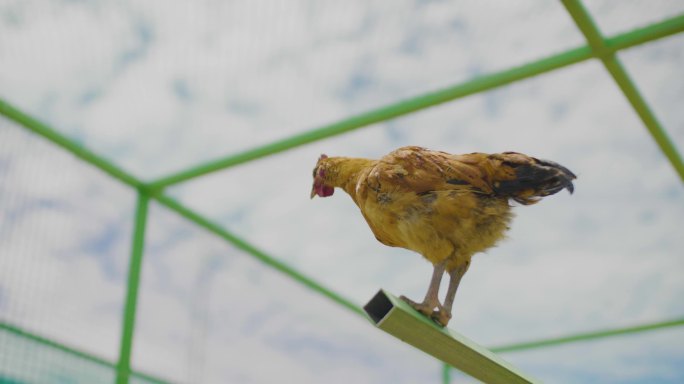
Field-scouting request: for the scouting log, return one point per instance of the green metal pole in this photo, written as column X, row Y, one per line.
column 446, row 373
column 589, row 336
column 16, row 331
column 613, row 44
column 645, row 34
column 135, row 266
column 604, row 51
column 654, row 127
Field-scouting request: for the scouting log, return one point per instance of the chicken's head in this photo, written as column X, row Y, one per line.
column 320, row 187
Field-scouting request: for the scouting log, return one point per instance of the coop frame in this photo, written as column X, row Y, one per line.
column 598, row 47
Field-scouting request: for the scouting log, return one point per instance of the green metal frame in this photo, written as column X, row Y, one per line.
column 598, row 47
column 134, row 271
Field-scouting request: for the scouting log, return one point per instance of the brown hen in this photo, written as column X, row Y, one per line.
column 445, row 207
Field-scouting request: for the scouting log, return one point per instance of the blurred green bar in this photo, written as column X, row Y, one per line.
column 397, row 318
column 602, row 50
column 15, row 330
column 585, row 23
column 588, row 336
column 622, row 41
column 446, row 373
column 645, row 34
column 134, row 271
column 43, row 130
column 645, row 113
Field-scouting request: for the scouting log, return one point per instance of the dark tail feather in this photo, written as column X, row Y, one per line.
column 534, row 180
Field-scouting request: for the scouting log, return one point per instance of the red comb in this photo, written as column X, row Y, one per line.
column 323, row 156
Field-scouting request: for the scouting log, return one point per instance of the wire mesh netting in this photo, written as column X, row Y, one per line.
column 35, row 362
column 241, row 277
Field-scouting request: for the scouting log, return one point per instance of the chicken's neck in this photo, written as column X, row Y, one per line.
column 344, row 172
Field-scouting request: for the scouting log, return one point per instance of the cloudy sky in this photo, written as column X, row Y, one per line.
column 157, row 87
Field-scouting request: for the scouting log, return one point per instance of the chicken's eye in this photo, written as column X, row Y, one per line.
column 321, row 172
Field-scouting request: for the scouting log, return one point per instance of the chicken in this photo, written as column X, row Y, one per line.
column 445, row 207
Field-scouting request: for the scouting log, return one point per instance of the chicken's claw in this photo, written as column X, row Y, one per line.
column 441, row 317
column 423, row 308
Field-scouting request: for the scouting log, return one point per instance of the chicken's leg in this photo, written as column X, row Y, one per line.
column 444, row 314
column 431, row 301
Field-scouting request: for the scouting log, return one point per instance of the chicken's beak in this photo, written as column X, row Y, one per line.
column 320, row 189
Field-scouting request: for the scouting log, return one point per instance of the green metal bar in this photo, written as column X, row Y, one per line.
column 446, row 373
column 13, row 329
column 645, row 34
column 397, row 318
column 135, row 266
column 257, row 253
column 588, row 336
column 19, row 332
column 629, row 89
column 618, row 42
column 654, row 127
column 41, row 129
column 586, row 24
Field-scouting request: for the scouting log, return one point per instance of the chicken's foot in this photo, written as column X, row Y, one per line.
column 431, row 301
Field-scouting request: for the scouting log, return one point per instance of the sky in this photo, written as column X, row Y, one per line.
column 157, row 87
